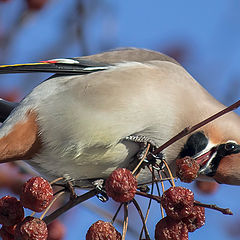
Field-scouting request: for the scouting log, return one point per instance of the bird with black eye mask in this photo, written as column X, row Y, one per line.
column 83, row 122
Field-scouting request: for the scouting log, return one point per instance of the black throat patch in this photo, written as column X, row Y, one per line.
column 195, row 144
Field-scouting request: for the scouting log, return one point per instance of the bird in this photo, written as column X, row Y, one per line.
column 94, row 113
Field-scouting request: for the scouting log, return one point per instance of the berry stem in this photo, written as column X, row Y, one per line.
column 125, row 222
column 170, row 173
column 50, row 205
column 162, row 184
column 151, row 196
column 142, row 217
column 115, row 215
column 56, row 180
column 149, row 205
column 140, row 162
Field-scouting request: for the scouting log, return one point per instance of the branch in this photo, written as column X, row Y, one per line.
column 70, row 204
column 142, row 218
column 225, row 211
column 188, row 130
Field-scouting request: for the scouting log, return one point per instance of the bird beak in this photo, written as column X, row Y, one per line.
column 222, row 168
column 205, row 160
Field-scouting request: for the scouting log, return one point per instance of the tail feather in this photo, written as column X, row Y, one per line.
column 5, row 109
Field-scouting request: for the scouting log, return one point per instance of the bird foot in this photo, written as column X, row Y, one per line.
column 101, row 195
column 70, row 186
column 143, row 142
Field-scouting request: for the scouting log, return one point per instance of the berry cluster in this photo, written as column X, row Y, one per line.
column 182, row 215
column 37, row 193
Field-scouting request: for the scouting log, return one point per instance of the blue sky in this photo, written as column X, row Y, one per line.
column 209, row 30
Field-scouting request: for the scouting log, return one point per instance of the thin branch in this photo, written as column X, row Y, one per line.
column 115, row 215
column 125, row 223
column 188, row 130
column 163, row 190
column 149, row 205
column 140, row 162
column 154, row 197
column 225, row 211
column 169, row 172
column 142, row 218
column 70, row 204
column 157, row 180
column 50, row 205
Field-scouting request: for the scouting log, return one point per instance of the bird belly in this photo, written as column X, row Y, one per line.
column 94, row 162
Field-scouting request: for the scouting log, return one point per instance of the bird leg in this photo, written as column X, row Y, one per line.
column 143, row 142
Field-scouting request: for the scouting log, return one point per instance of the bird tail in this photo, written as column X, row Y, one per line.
column 5, row 109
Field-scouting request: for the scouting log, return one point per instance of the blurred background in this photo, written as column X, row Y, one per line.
column 204, row 36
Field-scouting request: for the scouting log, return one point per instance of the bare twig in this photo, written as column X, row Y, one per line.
column 149, row 205
column 188, row 130
column 157, row 180
column 163, row 190
column 140, row 162
column 142, row 218
column 125, row 223
column 225, row 211
column 115, row 215
column 170, row 173
column 70, row 204
column 50, row 205
column 56, row 180
column 151, row 196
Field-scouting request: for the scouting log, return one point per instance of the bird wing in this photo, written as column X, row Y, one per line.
column 88, row 64
column 59, row 66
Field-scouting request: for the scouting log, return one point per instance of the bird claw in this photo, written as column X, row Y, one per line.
column 70, row 186
column 101, row 195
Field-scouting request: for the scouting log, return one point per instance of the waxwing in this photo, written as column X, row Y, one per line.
column 87, row 119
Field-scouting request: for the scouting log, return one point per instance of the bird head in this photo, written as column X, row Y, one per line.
column 217, row 149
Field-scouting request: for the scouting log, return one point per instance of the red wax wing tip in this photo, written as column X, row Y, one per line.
column 49, row 61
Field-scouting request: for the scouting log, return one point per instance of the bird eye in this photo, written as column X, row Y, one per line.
column 230, row 146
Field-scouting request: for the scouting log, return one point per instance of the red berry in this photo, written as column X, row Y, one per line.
column 31, row 229
column 11, row 211
column 187, row 169
column 121, row 185
column 5, row 235
column 37, row 193
column 207, row 187
column 56, row 230
column 170, row 229
column 36, row 4
column 177, row 202
column 102, row 231
column 196, row 219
